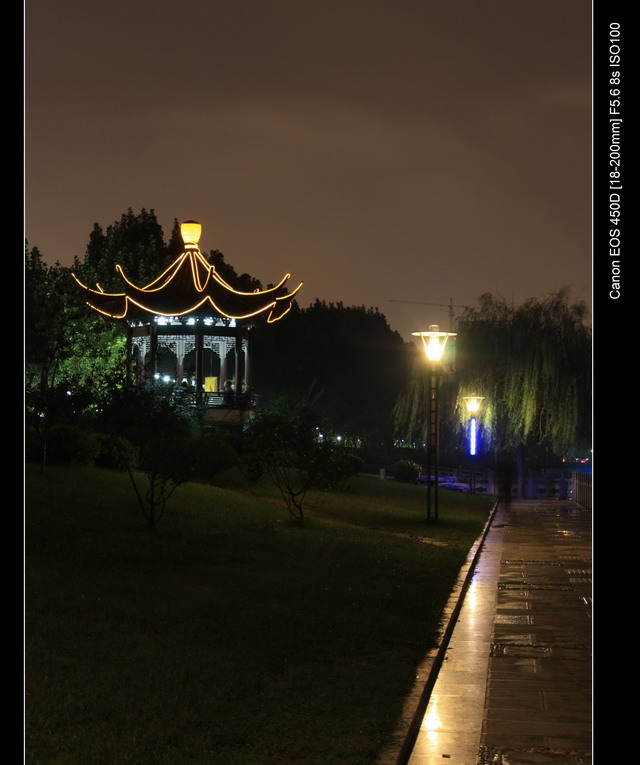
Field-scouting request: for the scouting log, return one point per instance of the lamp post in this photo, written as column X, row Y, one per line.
column 434, row 342
column 473, row 406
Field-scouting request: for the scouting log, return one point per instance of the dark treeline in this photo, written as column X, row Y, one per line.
column 350, row 357
column 532, row 363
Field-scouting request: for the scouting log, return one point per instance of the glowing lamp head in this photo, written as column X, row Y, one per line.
column 434, row 341
column 473, row 403
column 190, row 231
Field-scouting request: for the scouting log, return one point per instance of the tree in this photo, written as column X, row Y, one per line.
column 65, row 341
column 135, row 242
column 51, row 317
column 241, row 282
column 350, row 356
column 532, row 363
column 288, row 443
column 72, row 355
column 165, row 453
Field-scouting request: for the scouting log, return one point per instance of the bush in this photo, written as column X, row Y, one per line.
column 332, row 464
column 355, row 462
column 406, row 471
column 213, row 453
column 342, row 465
column 284, row 443
column 253, row 466
column 115, row 452
column 71, row 445
column 166, row 450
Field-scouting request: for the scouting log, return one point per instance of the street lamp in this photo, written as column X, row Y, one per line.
column 473, row 406
column 434, row 342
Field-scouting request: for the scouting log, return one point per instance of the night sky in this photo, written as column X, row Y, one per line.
column 378, row 150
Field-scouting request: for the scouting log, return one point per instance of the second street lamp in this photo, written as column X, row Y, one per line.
column 434, row 342
column 473, row 406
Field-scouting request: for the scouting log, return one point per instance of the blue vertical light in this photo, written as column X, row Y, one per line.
column 473, row 437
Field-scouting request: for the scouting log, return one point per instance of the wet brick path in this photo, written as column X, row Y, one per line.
column 538, row 701
column 515, row 687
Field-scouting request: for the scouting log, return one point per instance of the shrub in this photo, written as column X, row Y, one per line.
column 332, row 464
column 355, row 463
column 71, row 445
column 253, row 466
column 212, row 453
column 285, row 444
column 166, row 450
column 115, row 452
column 406, row 471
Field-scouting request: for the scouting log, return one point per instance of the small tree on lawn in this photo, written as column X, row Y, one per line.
column 287, row 444
column 166, row 452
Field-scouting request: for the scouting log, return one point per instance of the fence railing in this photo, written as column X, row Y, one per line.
column 581, row 489
column 544, row 484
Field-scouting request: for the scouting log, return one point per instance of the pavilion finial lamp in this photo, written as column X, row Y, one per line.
column 190, row 231
column 434, row 341
column 473, row 407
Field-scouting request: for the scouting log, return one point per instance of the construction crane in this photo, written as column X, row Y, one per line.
column 448, row 305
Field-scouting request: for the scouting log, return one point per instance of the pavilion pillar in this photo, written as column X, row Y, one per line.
column 247, row 359
column 239, row 363
column 153, row 352
column 129, row 353
column 199, row 361
column 224, row 374
column 180, row 353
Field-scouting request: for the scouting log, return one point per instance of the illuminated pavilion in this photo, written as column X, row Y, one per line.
column 192, row 320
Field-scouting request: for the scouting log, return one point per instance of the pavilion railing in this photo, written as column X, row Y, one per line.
column 220, row 400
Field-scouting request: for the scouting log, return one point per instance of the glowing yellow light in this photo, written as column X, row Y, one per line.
column 473, row 403
column 161, row 282
column 434, row 341
column 190, row 231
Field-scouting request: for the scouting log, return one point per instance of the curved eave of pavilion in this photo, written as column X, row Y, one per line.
column 189, row 285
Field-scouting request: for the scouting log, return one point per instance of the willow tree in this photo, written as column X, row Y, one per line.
column 531, row 362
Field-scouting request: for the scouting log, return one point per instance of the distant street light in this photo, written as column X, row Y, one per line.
column 434, row 342
column 473, row 406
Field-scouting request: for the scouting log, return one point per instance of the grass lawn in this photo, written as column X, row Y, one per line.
column 229, row 634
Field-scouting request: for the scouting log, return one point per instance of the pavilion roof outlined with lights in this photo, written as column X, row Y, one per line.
column 188, row 324
column 189, row 286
